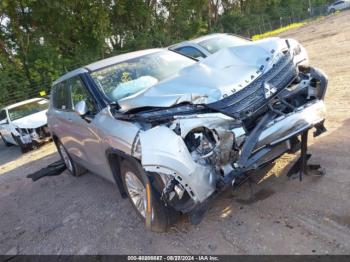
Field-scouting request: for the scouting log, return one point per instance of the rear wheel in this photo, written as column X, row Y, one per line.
column 135, row 181
column 73, row 168
column 5, row 142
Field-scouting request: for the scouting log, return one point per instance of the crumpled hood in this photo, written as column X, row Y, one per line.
column 213, row 78
column 32, row 121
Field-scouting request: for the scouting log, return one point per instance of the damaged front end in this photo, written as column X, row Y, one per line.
column 201, row 149
column 32, row 137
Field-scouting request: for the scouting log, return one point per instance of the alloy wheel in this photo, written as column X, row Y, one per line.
column 66, row 159
column 137, row 192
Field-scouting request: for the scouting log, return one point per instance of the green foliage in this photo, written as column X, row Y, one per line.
column 42, row 39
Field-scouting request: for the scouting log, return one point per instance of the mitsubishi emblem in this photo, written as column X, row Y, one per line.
column 269, row 90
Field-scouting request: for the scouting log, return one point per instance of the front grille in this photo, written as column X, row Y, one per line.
column 250, row 99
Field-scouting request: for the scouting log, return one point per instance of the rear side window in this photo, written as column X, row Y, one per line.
column 2, row 115
column 61, row 97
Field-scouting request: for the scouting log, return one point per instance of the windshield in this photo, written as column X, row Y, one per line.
column 27, row 109
column 132, row 76
column 220, row 42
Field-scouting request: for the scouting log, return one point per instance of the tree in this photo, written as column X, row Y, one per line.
column 42, row 39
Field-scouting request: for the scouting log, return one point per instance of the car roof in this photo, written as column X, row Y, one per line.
column 106, row 62
column 206, row 37
column 23, row 102
column 198, row 39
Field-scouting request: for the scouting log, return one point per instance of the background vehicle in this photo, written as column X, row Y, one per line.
column 339, row 5
column 208, row 44
column 172, row 132
column 25, row 123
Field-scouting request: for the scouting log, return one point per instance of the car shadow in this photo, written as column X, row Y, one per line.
column 12, row 157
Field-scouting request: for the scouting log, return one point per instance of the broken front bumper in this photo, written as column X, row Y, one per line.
column 274, row 132
column 33, row 135
column 295, row 123
column 174, row 159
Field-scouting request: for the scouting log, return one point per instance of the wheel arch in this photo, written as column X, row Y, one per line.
column 114, row 158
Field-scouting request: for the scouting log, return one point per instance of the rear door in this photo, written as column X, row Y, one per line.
column 58, row 114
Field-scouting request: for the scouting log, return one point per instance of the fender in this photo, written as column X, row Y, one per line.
column 114, row 159
column 165, row 152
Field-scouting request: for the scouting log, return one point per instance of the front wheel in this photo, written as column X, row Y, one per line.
column 24, row 147
column 144, row 196
column 73, row 168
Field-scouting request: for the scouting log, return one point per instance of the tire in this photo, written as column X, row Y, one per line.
column 5, row 142
column 24, row 148
column 332, row 11
column 73, row 168
column 135, row 180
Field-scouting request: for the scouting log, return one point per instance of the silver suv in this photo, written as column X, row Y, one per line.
column 172, row 132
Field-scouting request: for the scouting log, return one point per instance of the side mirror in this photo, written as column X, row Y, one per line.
column 81, row 108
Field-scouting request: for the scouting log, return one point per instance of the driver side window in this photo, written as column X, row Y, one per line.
column 3, row 115
column 80, row 93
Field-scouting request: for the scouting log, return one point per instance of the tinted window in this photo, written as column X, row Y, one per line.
column 2, row 115
column 60, row 96
column 79, row 93
column 338, row 3
column 190, row 51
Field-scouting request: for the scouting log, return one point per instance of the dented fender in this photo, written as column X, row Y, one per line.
column 163, row 151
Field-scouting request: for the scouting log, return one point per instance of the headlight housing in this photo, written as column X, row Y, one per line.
column 201, row 143
column 301, row 57
column 297, row 50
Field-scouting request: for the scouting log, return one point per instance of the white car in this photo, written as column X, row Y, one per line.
column 25, row 123
column 339, row 5
column 204, row 46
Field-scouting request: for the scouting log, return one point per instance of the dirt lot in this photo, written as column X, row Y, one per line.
column 68, row 215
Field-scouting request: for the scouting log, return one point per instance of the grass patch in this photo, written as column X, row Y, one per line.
column 277, row 31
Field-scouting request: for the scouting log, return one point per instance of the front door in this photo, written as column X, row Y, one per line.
column 83, row 141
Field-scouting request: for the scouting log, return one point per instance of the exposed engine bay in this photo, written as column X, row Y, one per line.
column 201, row 144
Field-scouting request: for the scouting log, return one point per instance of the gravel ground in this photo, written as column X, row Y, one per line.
column 85, row 215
